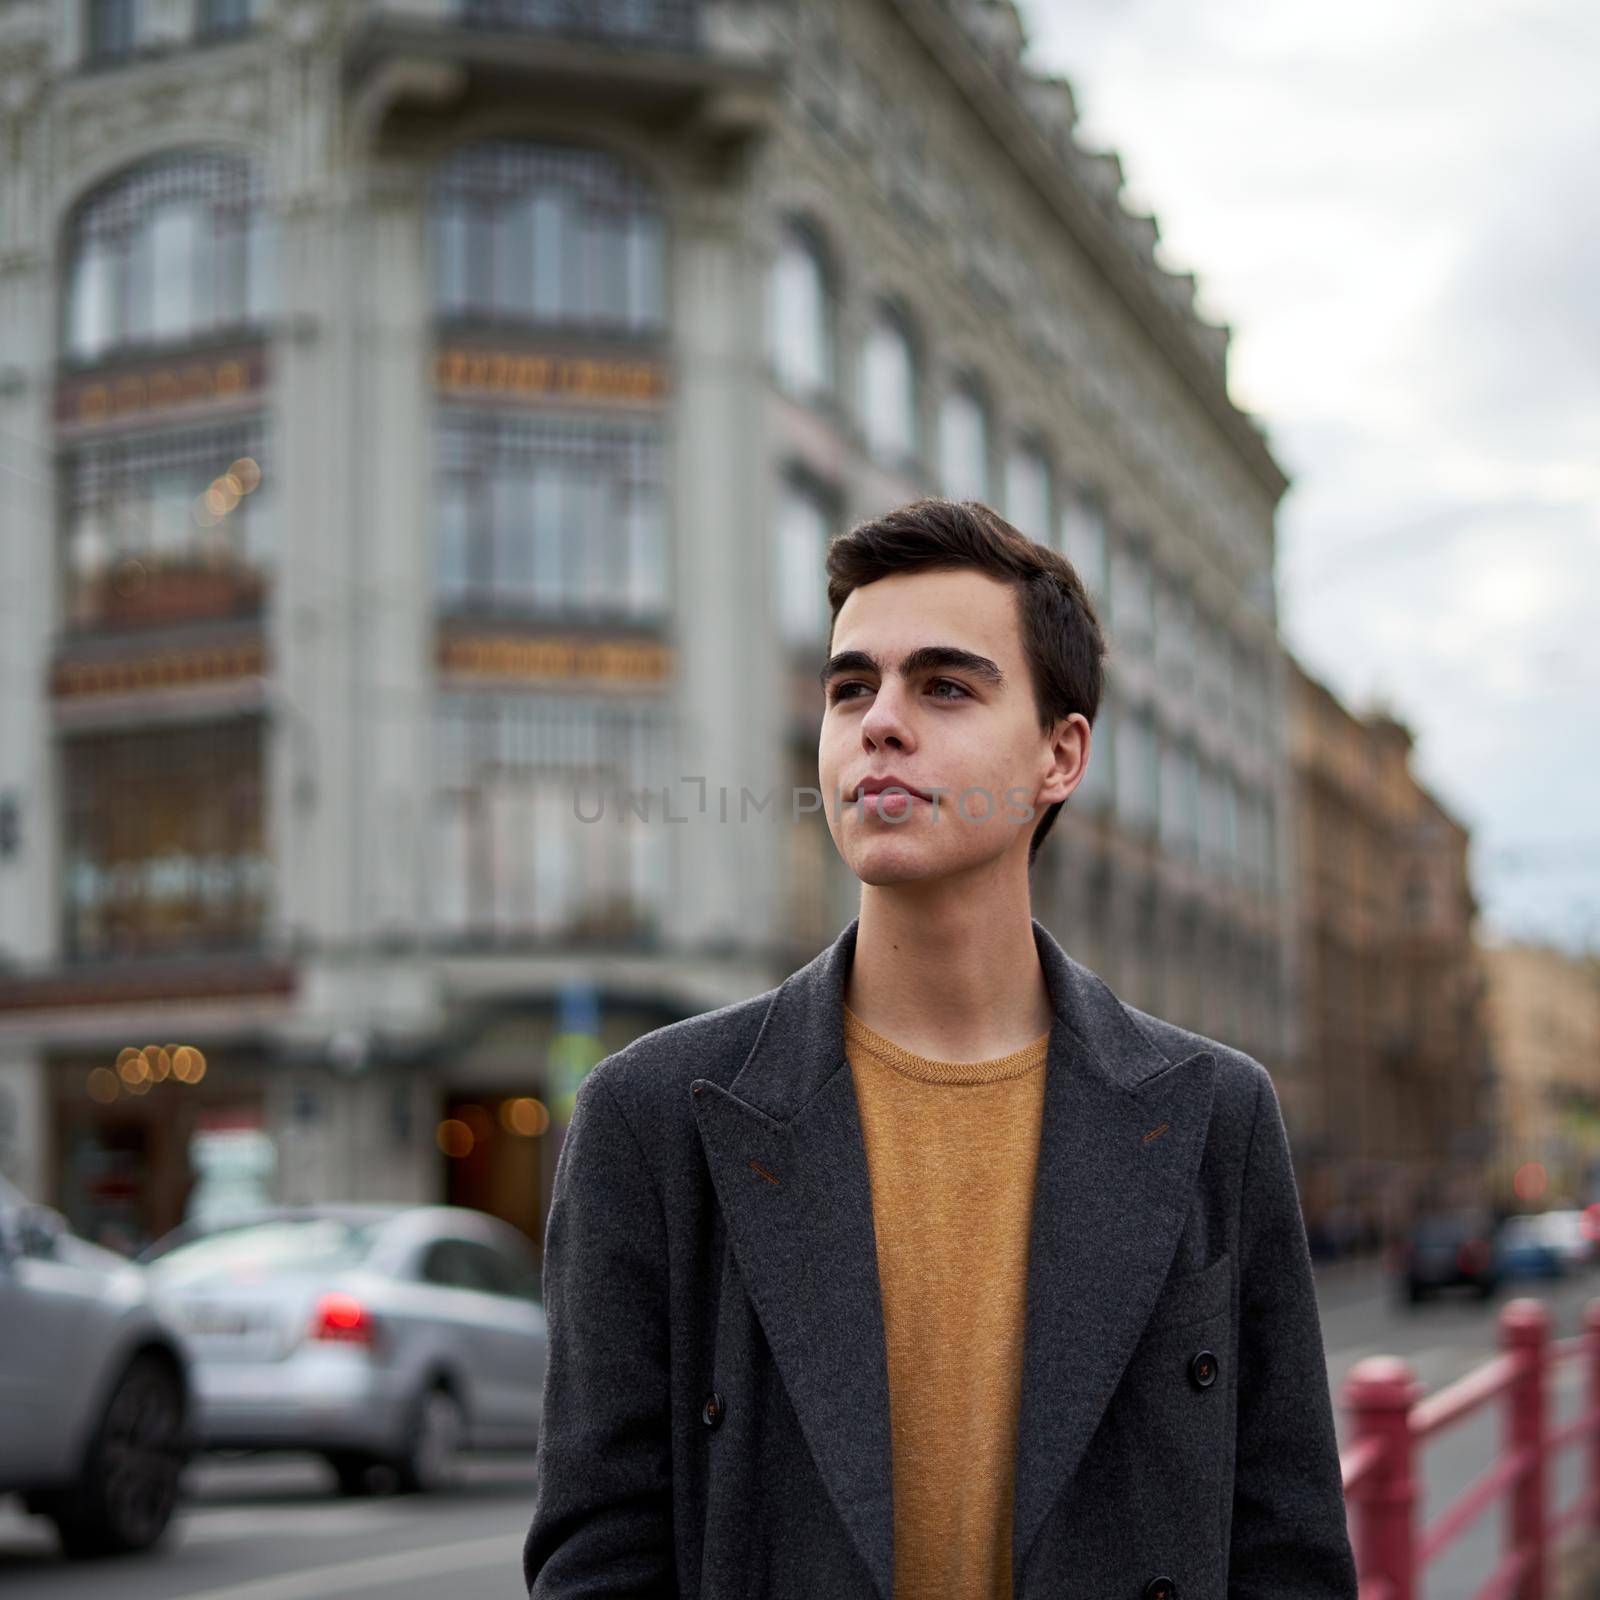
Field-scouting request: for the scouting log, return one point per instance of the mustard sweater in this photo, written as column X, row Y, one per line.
column 952, row 1148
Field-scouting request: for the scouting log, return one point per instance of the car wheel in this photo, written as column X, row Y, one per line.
column 353, row 1468
column 429, row 1459
column 125, row 1495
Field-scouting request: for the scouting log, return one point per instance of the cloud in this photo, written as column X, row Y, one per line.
column 1398, row 211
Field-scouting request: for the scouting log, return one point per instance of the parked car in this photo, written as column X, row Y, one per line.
column 1444, row 1249
column 393, row 1336
column 1529, row 1248
column 94, row 1390
column 1570, row 1234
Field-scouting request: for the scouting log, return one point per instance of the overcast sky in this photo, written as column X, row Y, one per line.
column 1397, row 209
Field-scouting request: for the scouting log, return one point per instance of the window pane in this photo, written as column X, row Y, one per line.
column 572, row 236
column 801, row 599
column 167, row 527
column 512, row 291
column 1098, row 786
column 450, row 256
column 175, row 240
column 563, row 521
column 1028, row 494
column 179, row 236
column 92, row 311
column 1136, row 770
column 644, row 269
column 599, row 566
column 452, row 530
column 605, row 268
column 799, row 314
column 964, row 446
column 647, row 568
column 1083, row 541
column 1132, row 598
column 888, row 392
column 151, row 865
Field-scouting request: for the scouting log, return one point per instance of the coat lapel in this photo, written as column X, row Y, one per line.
column 1122, row 1134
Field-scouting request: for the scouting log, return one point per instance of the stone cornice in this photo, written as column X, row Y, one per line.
column 1083, row 191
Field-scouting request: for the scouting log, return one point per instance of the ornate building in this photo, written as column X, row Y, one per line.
column 1544, row 1025
column 420, row 413
column 1395, row 1100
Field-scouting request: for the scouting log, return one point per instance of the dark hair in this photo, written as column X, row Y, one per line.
column 1061, row 635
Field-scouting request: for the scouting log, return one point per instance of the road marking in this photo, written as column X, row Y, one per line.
column 200, row 1526
column 348, row 1577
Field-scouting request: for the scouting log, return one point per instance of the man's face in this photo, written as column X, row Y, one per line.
column 961, row 727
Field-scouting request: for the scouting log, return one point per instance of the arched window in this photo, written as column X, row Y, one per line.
column 889, row 390
column 1028, row 492
column 800, row 314
column 964, row 443
column 178, row 248
column 547, row 233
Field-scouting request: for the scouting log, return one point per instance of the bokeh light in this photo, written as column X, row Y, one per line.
column 454, row 1137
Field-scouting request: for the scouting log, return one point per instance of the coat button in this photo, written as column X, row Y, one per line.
column 711, row 1412
column 1161, row 1589
column 1203, row 1369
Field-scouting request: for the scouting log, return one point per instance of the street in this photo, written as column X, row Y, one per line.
column 273, row 1529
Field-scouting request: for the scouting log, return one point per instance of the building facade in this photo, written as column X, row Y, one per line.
column 1400, row 1092
column 1544, row 1024
column 424, row 420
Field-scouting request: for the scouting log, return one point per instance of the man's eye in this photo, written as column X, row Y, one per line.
column 948, row 683
column 837, row 690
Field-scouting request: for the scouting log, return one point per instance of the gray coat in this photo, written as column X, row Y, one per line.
column 716, row 1405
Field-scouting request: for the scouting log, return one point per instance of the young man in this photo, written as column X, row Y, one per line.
column 937, row 1272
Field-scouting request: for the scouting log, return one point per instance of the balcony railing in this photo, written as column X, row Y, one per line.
column 673, row 23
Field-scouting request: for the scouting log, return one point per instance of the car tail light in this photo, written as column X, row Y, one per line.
column 343, row 1319
column 1474, row 1254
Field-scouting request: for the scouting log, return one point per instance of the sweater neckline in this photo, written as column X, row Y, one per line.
column 928, row 1070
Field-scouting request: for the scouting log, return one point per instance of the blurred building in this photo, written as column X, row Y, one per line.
column 1544, row 1013
column 419, row 416
column 1398, row 1106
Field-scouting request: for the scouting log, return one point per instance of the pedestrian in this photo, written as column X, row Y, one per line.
column 937, row 1270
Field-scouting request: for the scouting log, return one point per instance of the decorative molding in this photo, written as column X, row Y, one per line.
column 622, row 663
column 469, row 372
column 171, row 105
column 156, row 389
column 166, row 669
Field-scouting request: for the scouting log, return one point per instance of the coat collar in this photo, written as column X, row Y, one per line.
column 1123, row 1130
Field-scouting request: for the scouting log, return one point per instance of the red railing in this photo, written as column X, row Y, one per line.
column 1391, row 1421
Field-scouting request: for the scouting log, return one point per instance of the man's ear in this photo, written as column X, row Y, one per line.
column 1064, row 747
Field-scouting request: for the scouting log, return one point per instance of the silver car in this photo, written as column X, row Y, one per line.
column 94, row 1393
column 392, row 1336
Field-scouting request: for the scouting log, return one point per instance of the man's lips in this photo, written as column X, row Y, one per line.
column 870, row 786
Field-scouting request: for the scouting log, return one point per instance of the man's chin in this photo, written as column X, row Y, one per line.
column 886, row 864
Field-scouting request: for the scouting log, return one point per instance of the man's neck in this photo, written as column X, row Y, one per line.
column 951, row 979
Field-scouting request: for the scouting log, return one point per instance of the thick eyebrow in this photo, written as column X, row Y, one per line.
column 925, row 658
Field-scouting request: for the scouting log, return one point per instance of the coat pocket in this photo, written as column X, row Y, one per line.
column 1193, row 1297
